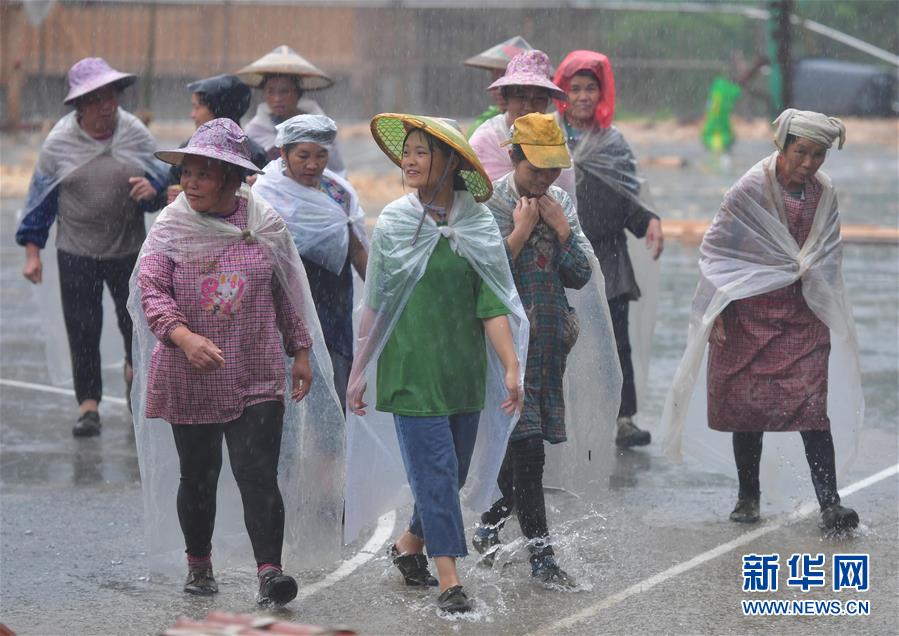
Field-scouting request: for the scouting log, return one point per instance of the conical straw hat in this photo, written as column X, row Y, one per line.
column 498, row 57
column 390, row 130
column 283, row 60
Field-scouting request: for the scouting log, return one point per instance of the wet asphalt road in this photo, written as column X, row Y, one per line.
column 72, row 557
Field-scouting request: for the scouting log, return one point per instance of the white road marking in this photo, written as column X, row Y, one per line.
column 372, row 547
column 724, row 548
column 55, row 389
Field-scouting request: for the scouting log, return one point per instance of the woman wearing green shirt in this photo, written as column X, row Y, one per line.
column 438, row 281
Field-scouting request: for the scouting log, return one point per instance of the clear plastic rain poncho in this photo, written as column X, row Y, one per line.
column 261, row 129
column 376, row 479
column 748, row 251
column 604, row 154
column 592, row 382
column 310, row 470
column 67, row 148
column 317, row 222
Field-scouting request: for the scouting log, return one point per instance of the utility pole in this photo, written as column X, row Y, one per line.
column 779, row 39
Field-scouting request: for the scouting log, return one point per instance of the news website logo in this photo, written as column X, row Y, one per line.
column 806, row 572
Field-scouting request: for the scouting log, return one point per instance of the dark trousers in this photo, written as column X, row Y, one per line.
column 818, row 451
column 521, row 484
column 619, row 308
column 254, row 444
column 341, row 367
column 81, row 281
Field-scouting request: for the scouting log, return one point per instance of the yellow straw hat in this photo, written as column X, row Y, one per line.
column 541, row 140
column 390, row 130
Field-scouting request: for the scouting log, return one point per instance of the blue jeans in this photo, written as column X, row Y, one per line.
column 437, row 453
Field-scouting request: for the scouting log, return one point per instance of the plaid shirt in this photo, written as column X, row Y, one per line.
column 543, row 269
column 235, row 300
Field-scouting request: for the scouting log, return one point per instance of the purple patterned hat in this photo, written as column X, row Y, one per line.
column 91, row 73
column 531, row 68
column 219, row 139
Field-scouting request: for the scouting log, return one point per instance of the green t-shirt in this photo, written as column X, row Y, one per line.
column 435, row 362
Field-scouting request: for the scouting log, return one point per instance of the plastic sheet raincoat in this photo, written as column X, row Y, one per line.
column 67, row 148
column 605, row 165
column 592, row 375
column 395, row 265
column 320, row 226
column 310, row 473
column 748, row 251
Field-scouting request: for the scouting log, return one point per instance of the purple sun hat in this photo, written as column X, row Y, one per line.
column 531, row 68
column 219, row 139
column 91, row 73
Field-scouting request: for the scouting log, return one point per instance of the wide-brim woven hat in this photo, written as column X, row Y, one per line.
column 531, row 68
column 91, row 73
column 283, row 60
column 496, row 58
column 390, row 130
column 220, row 139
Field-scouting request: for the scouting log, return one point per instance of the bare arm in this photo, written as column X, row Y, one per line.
column 358, row 255
column 365, row 345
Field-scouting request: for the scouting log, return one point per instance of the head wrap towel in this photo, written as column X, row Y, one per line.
column 316, row 129
column 809, row 125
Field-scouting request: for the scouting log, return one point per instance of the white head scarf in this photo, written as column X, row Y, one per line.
column 317, row 129
column 809, row 125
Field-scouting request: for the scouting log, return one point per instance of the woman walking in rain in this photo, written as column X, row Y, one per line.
column 772, row 307
column 221, row 299
column 322, row 211
column 495, row 60
column 438, row 281
column 212, row 98
column 608, row 203
column 547, row 252
column 525, row 88
column 284, row 77
column 97, row 177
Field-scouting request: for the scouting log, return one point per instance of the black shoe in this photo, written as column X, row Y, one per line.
column 453, row 601
column 629, row 435
column 88, row 425
column 746, row 510
column 201, row 581
column 275, row 587
column 547, row 571
column 413, row 567
column 837, row 517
